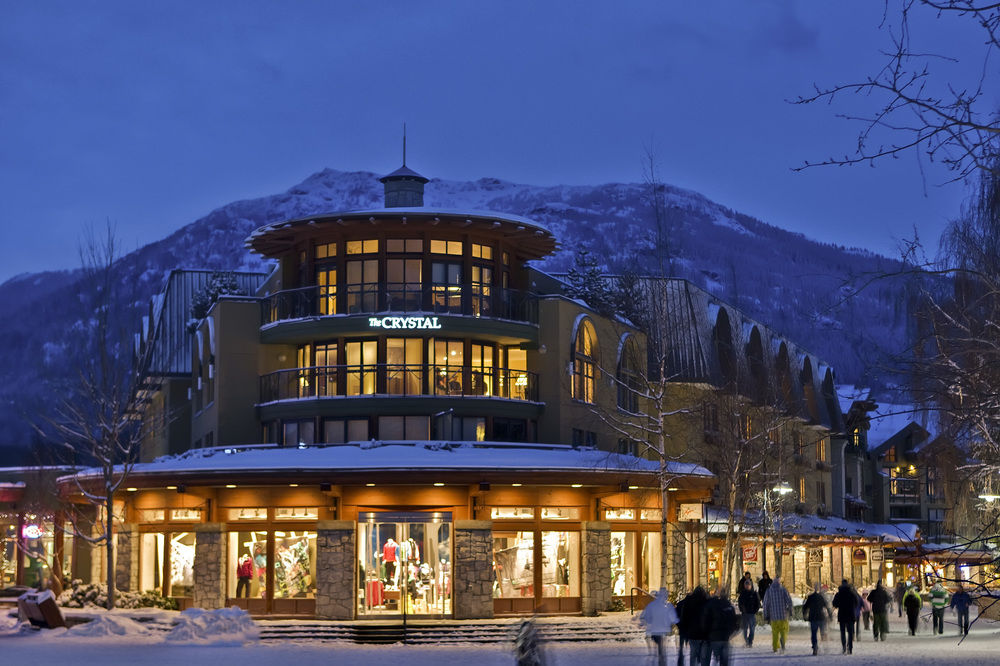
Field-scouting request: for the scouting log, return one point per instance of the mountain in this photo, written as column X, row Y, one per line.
column 790, row 283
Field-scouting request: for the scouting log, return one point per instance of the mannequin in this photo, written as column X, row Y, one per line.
column 389, row 552
column 244, row 572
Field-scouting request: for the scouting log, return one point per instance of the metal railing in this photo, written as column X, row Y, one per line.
column 396, row 379
column 477, row 300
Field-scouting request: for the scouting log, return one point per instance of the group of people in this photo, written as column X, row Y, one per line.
column 706, row 623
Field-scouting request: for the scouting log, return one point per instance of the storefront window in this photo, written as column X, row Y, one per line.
column 152, row 515
column 39, row 548
column 247, row 564
column 151, row 551
column 512, row 512
column 193, row 515
column 622, row 563
column 651, row 553
column 619, row 514
column 651, row 514
column 561, row 513
column 295, row 564
column 296, row 513
column 247, row 513
column 182, row 564
column 8, row 551
column 513, row 562
column 560, row 564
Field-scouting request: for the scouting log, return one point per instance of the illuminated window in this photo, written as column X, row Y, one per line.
column 326, row 290
column 326, row 251
column 446, row 286
column 449, row 359
column 403, row 284
column 482, row 289
column 362, row 246
column 404, row 369
column 446, row 247
column 481, row 370
column 619, row 514
column 360, row 371
column 821, row 450
column 511, row 512
column 482, row 251
column 362, row 285
column 584, row 362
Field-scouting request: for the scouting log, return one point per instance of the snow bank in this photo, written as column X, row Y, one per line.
column 107, row 626
column 224, row 627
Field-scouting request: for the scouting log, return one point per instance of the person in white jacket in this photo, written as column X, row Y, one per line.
column 659, row 618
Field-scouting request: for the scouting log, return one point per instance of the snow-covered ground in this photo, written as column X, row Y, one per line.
column 225, row 638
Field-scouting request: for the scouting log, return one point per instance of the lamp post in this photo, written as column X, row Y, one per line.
column 782, row 490
column 779, row 490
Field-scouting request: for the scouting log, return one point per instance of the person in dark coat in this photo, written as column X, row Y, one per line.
column 879, row 600
column 719, row 622
column 691, row 627
column 846, row 603
column 762, row 585
column 961, row 601
column 897, row 596
column 912, row 603
column 817, row 611
column 749, row 604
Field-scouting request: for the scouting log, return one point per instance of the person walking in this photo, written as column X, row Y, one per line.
column 961, row 601
column 659, row 618
column 879, row 601
column 817, row 611
column 762, row 585
column 912, row 603
column 939, row 601
column 897, row 596
column 777, row 609
column 749, row 604
column 691, row 627
column 846, row 602
column 866, row 612
column 719, row 621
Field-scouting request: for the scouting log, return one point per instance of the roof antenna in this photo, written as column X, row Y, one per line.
column 404, row 144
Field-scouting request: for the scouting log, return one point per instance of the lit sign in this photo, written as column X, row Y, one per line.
column 32, row 532
column 403, row 322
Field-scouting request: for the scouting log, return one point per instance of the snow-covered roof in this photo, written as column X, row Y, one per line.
column 890, row 419
column 406, row 456
column 848, row 394
column 793, row 524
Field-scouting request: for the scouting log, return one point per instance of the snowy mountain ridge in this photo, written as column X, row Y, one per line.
column 783, row 279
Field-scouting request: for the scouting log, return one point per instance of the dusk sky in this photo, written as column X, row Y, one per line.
column 153, row 114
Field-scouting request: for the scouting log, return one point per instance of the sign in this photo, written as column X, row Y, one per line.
column 876, row 555
column 749, row 553
column 815, row 556
column 403, row 322
column 32, row 532
column 690, row 512
column 859, row 556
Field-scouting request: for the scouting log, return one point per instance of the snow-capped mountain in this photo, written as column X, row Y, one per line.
column 788, row 282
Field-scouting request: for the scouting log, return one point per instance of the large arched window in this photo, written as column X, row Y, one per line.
column 585, row 362
column 629, row 375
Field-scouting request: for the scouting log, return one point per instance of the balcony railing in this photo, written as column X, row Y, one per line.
column 477, row 300
column 394, row 379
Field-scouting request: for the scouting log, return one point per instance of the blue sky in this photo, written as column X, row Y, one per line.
column 152, row 114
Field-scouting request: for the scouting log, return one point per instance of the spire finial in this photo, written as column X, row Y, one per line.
column 404, row 144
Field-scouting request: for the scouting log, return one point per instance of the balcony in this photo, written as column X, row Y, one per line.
column 384, row 379
column 470, row 300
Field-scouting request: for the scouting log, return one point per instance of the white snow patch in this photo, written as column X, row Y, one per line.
column 107, row 626
column 223, row 627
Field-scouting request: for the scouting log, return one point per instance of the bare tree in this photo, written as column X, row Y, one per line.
column 917, row 106
column 97, row 423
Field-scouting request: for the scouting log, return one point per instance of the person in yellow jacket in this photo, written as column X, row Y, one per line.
column 911, row 604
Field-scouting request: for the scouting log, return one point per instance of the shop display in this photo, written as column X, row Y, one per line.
column 404, row 568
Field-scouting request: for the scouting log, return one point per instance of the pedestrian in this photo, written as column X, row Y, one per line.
column 691, row 627
column 939, row 601
column 659, row 618
column 961, row 601
column 912, row 603
column 866, row 612
column 777, row 609
column 897, row 596
column 749, row 604
column 681, row 630
column 846, row 603
column 817, row 611
column 762, row 585
column 879, row 601
column 527, row 648
column 719, row 620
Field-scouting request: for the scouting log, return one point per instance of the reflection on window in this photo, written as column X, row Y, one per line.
column 396, row 245
column 513, row 563
column 151, row 549
column 182, row 564
column 446, row 287
column 294, row 564
column 326, row 283
column 619, row 514
column 247, row 513
column 326, row 250
column 561, row 513
column 482, row 285
column 511, row 512
column 362, row 285
column 193, row 515
column 560, row 564
column 296, row 513
column 361, row 359
column 152, row 515
column 651, row 514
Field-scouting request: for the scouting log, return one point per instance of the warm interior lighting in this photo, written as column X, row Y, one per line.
column 370, row 485
column 171, row 487
column 293, row 485
column 131, row 490
column 230, row 485
column 438, row 484
column 633, row 487
column 672, row 489
column 782, row 488
column 515, row 485
column 576, row 485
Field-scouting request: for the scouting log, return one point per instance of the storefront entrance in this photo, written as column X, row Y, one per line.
column 405, row 563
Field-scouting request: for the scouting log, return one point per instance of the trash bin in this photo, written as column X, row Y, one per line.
column 40, row 609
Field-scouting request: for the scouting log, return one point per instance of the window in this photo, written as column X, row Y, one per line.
column 326, row 251
column 482, row 251
column 933, row 489
column 821, row 450
column 856, row 437
column 360, row 370
column 890, row 455
column 298, row 433
column 802, row 489
column 710, row 417
column 403, row 284
column 482, row 289
column 510, row 430
column 326, row 290
column 584, row 362
column 404, row 427
column 326, row 369
column 446, row 286
column 448, row 359
column 404, row 370
column 584, row 437
column 821, row 492
column 446, row 247
column 903, row 482
column 468, row 428
column 514, row 381
column 363, row 246
column 798, row 444
column 362, row 285
column 629, row 377
column 481, row 370
column 628, row 447
column 399, row 245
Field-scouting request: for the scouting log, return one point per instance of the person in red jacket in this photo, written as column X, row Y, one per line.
column 244, row 572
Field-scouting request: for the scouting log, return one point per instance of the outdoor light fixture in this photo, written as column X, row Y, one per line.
column 230, row 485
column 131, row 490
column 515, row 485
column 672, row 489
column 171, row 487
column 293, row 485
column 576, row 485
column 370, row 485
column 633, row 487
column 438, row 484
column 989, row 498
column 782, row 488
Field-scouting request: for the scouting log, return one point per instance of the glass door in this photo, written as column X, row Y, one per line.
column 405, row 563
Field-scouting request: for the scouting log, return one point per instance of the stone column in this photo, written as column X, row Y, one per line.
column 127, row 559
column 676, row 581
column 595, row 567
column 209, row 566
column 336, row 569
column 472, row 571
